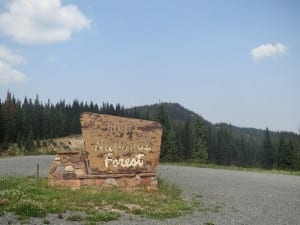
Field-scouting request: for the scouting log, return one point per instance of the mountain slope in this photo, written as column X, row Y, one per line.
column 227, row 144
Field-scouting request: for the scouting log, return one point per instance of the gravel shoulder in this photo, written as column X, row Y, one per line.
column 227, row 197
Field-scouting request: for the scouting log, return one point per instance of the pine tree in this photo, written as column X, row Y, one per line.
column 9, row 115
column 172, row 153
column 187, row 140
column 268, row 152
column 212, row 145
column 168, row 145
column 286, row 154
column 29, row 142
column 243, row 154
column 199, row 149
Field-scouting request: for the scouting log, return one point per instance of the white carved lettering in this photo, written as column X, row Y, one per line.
column 108, row 147
column 125, row 163
column 107, row 161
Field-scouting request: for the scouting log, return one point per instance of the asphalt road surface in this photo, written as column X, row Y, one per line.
column 227, row 197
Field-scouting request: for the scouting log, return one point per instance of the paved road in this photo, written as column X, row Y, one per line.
column 230, row 197
column 25, row 165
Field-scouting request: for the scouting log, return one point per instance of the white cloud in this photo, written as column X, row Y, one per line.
column 268, row 50
column 41, row 21
column 9, row 74
column 10, row 57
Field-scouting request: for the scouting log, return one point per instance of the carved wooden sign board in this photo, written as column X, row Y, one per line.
column 120, row 145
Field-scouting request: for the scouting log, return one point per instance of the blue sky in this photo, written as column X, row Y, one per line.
column 230, row 61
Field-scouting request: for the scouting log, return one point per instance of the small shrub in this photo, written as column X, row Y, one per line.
column 44, row 144
column 51, row 151
column 11, row 194
column 29, row 208
column 54, row 143
column 90, row 223
column 14, row 150
column 209, row 223
column 38, row 143
column 46, row 222
column 11, row 152
column 74, row 217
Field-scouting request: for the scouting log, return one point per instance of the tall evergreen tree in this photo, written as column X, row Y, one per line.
column 29, row 142
column 199, row 148
column 168, row 145
column 173, row 151
column 242, row 153
column 268, row 152
column 212, row 144
column 187, row 140
column 286, row 154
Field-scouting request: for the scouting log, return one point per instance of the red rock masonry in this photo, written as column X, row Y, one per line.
column 69, row 169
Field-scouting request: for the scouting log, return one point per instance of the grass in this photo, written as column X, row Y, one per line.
column 209, row 223
column 75, row 217
column 28, row 199
column 46, row 221
column 214, row 166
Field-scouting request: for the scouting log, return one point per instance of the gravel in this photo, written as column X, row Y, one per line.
column 227, row 197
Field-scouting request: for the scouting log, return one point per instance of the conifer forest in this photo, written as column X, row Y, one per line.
column 187, row 137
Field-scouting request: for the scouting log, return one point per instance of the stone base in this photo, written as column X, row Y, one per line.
column 69, row 169
column 129, row 182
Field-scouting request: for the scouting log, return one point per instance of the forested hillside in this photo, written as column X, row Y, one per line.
column 186, row 137
column 225, row 144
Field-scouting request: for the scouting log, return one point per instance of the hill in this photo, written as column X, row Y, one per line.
column 186, row 137
column 227, row 144
column 181, row 114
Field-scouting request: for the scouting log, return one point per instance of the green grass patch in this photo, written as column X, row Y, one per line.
column 250, row 169
column 46, row 222
column 209, row 223
column 28, row 199
column 75, row 217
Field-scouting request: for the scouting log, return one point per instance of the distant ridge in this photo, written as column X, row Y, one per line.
column 179, row 115
column 179, row 112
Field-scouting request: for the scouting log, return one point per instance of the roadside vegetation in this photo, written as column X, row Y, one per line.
column 26, row 198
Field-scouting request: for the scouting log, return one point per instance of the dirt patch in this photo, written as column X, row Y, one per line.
column 69, row 143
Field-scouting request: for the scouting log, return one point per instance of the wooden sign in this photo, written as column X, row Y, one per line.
column 120, row 145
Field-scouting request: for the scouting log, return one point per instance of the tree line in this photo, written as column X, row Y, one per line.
column 28, row 122
column 186, row 135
